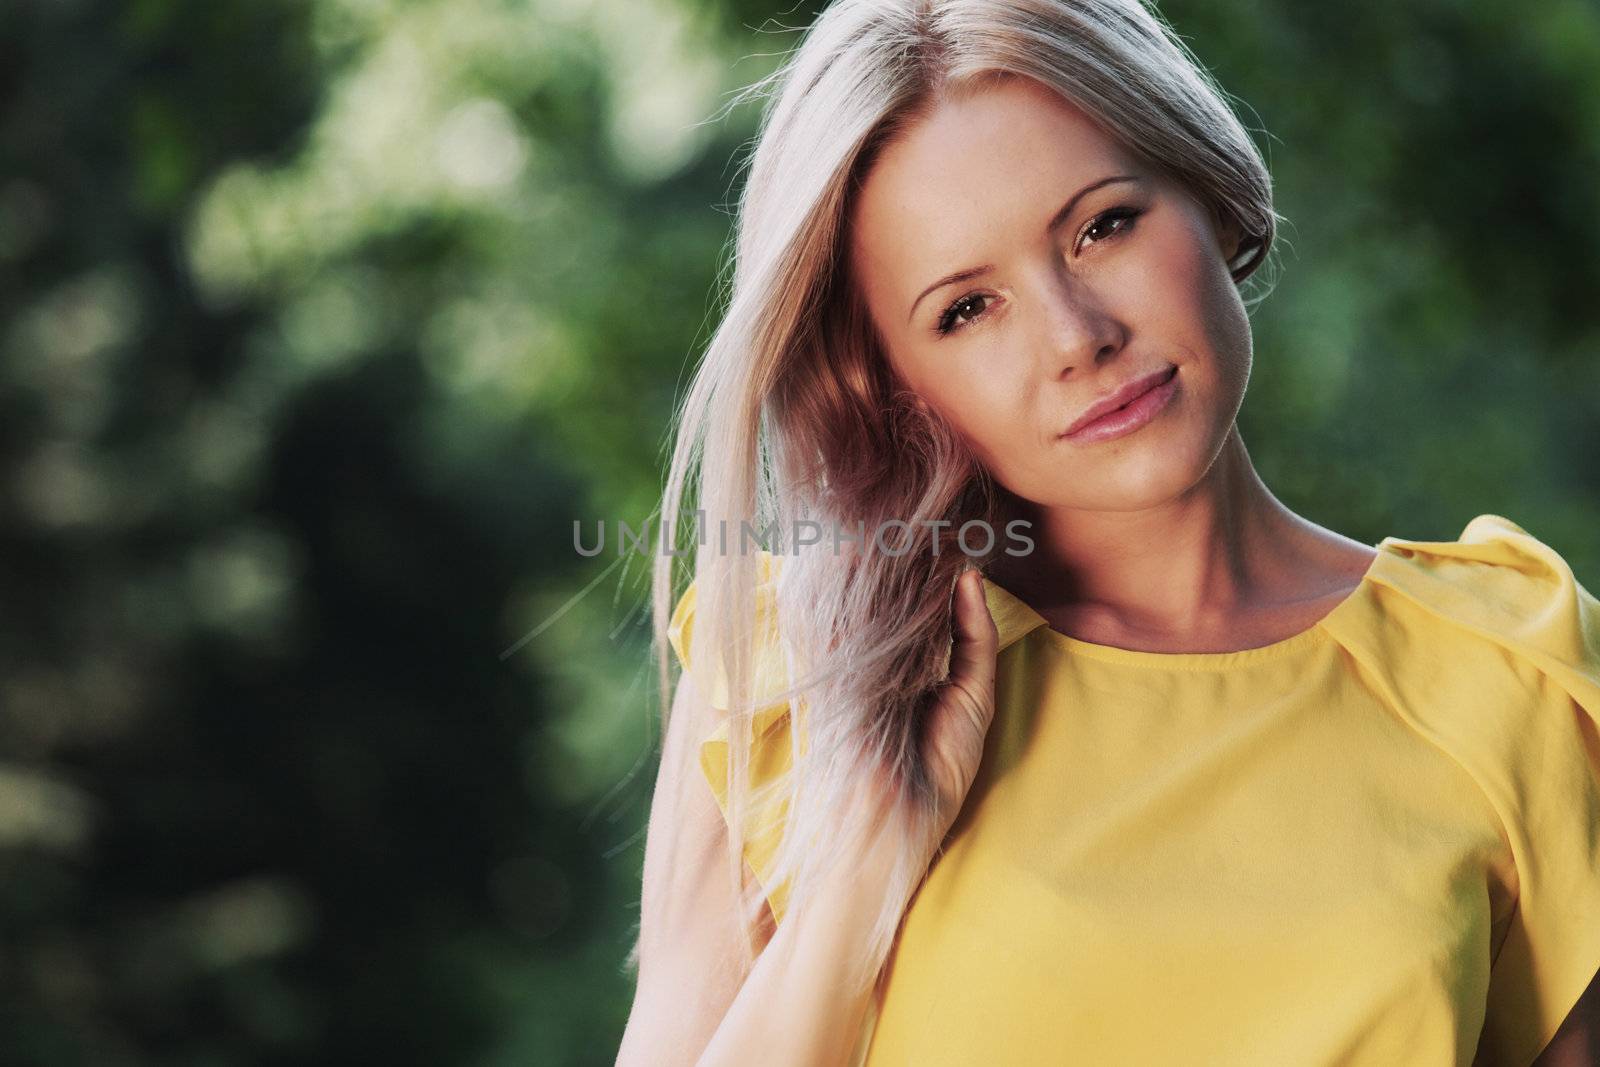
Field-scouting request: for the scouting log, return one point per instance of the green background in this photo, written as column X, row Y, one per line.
column 322, row 320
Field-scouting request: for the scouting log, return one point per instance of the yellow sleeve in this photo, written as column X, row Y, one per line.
column 1542, row 760
column 767, row 734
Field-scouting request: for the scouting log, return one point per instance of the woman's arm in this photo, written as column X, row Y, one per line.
column 691, row 959
column 695, row 1002
column 801, row 1005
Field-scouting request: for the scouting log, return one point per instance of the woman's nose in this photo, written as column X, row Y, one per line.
column 1077, row 329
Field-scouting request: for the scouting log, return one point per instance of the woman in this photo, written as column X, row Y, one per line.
column 1198, row 781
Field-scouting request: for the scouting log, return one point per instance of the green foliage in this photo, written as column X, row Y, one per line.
column 323, row 319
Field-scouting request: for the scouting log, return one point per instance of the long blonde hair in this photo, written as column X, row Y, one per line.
column 794, row 413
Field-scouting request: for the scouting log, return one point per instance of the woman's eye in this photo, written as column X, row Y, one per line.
column 1107, row 226
column 966, row 305
column 1123, row 215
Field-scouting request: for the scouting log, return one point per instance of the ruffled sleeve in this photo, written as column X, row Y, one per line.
column 767, row 732
column 1522, row 681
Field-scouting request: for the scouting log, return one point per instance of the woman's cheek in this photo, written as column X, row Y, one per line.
column 1002, row 424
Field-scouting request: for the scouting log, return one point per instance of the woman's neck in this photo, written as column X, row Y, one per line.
column 1223, row 558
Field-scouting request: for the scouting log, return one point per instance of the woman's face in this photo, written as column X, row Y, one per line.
column 1085, row 271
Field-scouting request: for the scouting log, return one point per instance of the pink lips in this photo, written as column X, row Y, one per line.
column 1125, row 410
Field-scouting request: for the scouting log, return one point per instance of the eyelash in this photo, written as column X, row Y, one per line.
column 947, row 323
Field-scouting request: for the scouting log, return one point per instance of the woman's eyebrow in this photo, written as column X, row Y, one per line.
column 1055, row 220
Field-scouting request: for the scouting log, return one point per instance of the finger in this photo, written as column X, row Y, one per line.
column 977, row 638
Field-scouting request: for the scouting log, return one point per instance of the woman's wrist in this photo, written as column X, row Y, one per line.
column 805, row 1002
column 872, row 861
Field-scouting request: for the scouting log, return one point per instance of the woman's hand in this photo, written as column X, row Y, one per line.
column 953, row 730
column 958, row 722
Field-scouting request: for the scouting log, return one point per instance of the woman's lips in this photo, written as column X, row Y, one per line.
column 1130, row 416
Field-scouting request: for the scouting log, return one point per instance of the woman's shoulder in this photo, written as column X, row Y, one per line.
column 765, row 731
column 1495, row 593
column 1489, row 645
column 680, row 629
column 768, row 661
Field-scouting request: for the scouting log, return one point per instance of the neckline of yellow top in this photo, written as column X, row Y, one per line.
column 1015, row 620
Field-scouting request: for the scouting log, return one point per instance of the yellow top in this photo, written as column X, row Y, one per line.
column 1373, row 843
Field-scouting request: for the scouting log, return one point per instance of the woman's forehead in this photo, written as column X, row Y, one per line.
column 998, row 161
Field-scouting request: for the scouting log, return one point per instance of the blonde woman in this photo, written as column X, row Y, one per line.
column 1178, row 776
